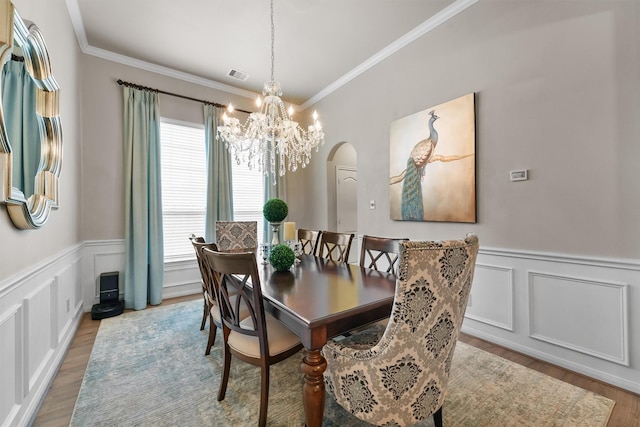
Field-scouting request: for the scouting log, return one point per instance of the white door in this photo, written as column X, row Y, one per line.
column 346, row 199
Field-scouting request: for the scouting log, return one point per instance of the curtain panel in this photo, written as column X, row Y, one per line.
column 144, row 247
column 219, row 175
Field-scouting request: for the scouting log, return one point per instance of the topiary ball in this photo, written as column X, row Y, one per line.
column 275, row 210
column 282, row 257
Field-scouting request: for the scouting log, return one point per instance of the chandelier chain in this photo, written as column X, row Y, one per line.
column 273, row 30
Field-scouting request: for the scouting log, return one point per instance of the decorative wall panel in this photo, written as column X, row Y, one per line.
column 40, row 316
column 491, row 299
column 566, row 311
column 11, row 367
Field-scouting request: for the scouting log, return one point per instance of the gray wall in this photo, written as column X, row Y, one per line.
column 20, row 249
column 102, row 164
column 557, row 93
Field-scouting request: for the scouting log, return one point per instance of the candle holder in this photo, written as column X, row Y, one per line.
column 265, row 248
column 275, row 229
column 297, row 250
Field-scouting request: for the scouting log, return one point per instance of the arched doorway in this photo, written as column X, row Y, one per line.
column 342, row 188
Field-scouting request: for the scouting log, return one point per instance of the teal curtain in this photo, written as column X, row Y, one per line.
column 219, row 173
column 274, row 187
column 19, row 109
column 144, row 248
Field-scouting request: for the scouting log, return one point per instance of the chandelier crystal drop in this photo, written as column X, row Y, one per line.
column 271, row 133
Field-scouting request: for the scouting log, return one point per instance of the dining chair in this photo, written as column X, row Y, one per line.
column 309, row 240
column 398, row 375
column 208, row 289
column 258, row 339
column 236, row 235
column 197, row 241
column 335, row 246
column 380, row 253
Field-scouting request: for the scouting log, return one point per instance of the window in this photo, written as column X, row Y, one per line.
column 184, row 189
column 248, row 195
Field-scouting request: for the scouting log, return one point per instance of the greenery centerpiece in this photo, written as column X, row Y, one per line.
column 275, row 211
column 282, row 257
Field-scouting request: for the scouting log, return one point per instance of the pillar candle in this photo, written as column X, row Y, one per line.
column 289, row 231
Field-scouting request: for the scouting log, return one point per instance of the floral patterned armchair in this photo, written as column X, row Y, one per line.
column 236, row 235
column 398, row 376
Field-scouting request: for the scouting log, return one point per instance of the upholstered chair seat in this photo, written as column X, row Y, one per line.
column 281, row 339
column 398, row 375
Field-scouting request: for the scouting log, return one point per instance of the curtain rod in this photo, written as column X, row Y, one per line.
column 215, row 104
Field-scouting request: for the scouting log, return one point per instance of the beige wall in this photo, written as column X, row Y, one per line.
column 557, row 87
column 22, row 248
column 557, row 93
column 102, row 156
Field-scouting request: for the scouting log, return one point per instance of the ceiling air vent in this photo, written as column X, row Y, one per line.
column 238, row 75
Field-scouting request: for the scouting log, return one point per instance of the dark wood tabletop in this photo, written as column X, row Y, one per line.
column 319, row 299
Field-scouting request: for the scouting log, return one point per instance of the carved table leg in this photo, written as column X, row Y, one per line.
column 313, row 366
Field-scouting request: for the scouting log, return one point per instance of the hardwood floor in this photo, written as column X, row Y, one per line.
column 58, row 406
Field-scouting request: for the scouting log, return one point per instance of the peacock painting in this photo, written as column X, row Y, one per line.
column 433, row 164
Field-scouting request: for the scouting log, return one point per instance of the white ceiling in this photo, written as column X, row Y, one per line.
column 319, row 44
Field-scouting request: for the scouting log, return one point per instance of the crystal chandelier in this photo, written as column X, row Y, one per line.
column 271, row 133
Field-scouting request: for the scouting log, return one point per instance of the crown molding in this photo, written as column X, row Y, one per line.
column 430, row 24
column 436, row 20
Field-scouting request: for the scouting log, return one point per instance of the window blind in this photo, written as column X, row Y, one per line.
column 184, row 189
column 248, row 195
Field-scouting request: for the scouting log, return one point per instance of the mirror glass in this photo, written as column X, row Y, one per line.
column 30, row 128
column 21, row 122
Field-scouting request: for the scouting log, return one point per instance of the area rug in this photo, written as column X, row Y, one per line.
column 148, row 368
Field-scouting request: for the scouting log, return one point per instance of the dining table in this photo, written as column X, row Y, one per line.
column 319, row 299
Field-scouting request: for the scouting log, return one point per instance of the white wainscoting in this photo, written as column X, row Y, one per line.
column 105, row 256
column 491, row 301
column 594, row 306
column 570, row 311
column 40, row 310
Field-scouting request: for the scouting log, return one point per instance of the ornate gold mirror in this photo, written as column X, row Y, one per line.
column 30, row 128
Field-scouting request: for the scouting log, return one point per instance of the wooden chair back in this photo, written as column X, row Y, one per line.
column 335, row 246
column 309, row 240
column 380, row 253
column 208, row 289
column 232, row 272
